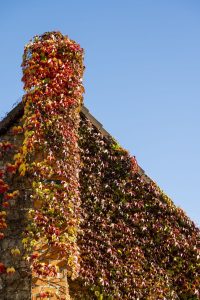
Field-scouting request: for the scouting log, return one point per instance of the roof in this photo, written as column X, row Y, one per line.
column 18, row 111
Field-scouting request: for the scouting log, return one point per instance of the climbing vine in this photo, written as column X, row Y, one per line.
column 52, row 75
column 7, row 195
column 125, row 239
column 48, row 158
column 136, row 243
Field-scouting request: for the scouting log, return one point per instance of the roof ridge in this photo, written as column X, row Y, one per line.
column 18, row 110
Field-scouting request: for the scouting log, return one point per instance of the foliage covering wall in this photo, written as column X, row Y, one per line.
column 117, row 235
column 135, row 243
column 15, row 279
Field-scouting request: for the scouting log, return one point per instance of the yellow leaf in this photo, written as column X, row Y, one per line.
column 17, row 156
column 37, row 203
column 15, row 252
column 10, row 270
column 24, row 149
column 22, row 169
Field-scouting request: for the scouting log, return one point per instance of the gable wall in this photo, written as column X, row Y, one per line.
column 134, row 242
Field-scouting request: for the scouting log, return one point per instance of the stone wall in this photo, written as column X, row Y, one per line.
column 22, row 284
column 14, row 286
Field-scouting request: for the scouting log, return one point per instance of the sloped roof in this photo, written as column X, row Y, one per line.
column 18, row 110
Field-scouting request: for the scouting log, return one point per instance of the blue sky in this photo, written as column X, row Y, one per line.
column 142, row 77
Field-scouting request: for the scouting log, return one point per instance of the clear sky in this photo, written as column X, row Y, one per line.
column 142, row 77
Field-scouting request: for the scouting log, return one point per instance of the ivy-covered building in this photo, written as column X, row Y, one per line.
column 79, row 219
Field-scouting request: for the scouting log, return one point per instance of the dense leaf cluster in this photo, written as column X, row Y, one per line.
column 135, row 244
column 8, row 195
column 125, row 239
column 52, row 75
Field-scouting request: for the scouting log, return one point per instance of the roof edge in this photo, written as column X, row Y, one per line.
column 18, row 111
column 14, row 114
